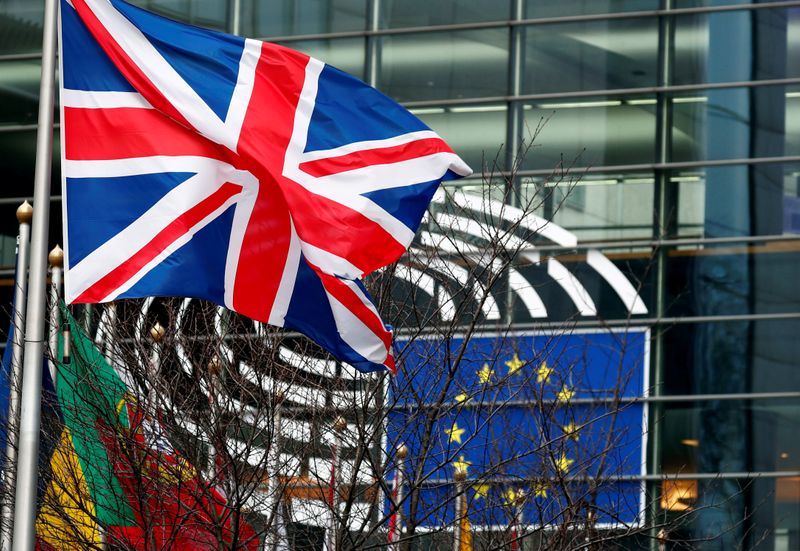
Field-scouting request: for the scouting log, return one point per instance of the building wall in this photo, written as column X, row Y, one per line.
column 680, row 122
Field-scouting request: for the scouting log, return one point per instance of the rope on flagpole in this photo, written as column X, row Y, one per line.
column 31, row 398
column 24, row 215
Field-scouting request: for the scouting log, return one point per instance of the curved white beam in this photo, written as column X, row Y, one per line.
column 572, row 286
column 426, row 283
column 617, row 280
column 509, row 241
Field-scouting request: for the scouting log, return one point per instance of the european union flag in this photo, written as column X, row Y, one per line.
column 549, row 419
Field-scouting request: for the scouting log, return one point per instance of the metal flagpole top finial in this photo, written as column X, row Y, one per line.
column 214, row 365
column 340, row 424
column 56, row 256
column 460, row 475
column 402, row 451
column 25, row 213
column 157, row 332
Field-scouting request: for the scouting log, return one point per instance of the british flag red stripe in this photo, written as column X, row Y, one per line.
column 223, row 153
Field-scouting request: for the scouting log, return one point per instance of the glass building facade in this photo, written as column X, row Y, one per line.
column 679, row 123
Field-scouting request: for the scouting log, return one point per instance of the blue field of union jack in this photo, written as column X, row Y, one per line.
column 206, row 165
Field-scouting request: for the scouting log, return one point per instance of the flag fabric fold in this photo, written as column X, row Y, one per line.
column 115, row 477
column 201, row 164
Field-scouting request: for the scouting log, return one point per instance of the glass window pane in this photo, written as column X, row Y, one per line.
column 736, row 123
column 346, row 54
column 418, row 13
column 737, row 200
column 457, row 126
column 430, row 66
column 210, row 14
column 732, row 357
column 19, row 94
column 754, row 514
column 596, row 207
column 595, row 55
column 20, row 26
column 591, row 132
column 293, row 17
column 736, row 46
column 548, row 8
column 731, row 436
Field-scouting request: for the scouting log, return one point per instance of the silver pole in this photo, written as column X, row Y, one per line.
column 331, row 534
column 273, row 487
column 396, row 529
column 31, row 400
column 24, row 214
column 56, row 259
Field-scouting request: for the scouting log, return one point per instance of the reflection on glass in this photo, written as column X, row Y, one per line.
column 755, row 514
column 346, row 54
column 463, row 64
column 457, row 126
column 591, row 132
column 548, row 8
column 736, row 123
column 761, row 199
column 595, row 55
column 19, row 93
column 210, row 14
column 596, row 207
column 702, row 363
column 294, row 17
column 693, row 436
column 417, row 13
column 20, row 26
column 736, row 46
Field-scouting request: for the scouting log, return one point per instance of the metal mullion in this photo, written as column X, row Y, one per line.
column 669, row 89
column 534, row 21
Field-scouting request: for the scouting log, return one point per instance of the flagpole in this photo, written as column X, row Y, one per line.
column 56, row 259
column 24, row 214
column 273, row 535
column 396, row 520
column 459, row 476
column 331, row 534
column 30, row 401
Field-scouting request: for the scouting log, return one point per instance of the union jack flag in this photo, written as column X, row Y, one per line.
column 206, row 165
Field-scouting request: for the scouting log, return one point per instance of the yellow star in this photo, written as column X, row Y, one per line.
column 512, row 496
column 543, row 373
column 461, row 398
column 565, row 394
column 481, row 490
column 514, row 364
column 454, row 433
column 539, row 489
column 571, row 430
column 461, row 465
column 485, row 374
column 563, row 463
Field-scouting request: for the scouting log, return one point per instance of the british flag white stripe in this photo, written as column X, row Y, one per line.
column 358, row 336
column 283, row 297
column 367, row 145
column 342, row 185
column 174, row 88
column 210, row 175
column 102, row 99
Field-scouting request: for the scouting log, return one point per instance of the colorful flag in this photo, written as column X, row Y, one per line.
column 116, row 478
column 206, row 165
